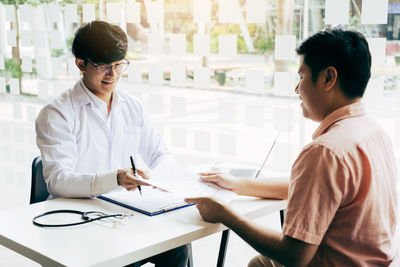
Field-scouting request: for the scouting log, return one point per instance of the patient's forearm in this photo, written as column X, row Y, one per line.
column 265, row 188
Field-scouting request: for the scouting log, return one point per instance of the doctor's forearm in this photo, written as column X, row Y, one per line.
column 70, row 184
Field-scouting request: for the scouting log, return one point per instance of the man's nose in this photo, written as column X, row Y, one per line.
column 296, row 89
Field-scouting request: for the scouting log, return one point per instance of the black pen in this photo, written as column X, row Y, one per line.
column 135, row 174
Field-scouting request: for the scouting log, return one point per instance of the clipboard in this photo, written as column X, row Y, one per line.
column 153, row 201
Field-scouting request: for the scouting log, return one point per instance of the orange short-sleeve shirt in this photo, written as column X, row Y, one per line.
column 342, row 193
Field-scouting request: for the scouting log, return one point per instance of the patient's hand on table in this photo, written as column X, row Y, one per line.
column 223, row 180
column 211, row 209
column 276, row 188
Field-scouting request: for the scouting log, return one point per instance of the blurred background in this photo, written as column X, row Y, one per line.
column 217, row 77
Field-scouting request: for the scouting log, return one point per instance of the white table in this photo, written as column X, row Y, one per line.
column 99, row 244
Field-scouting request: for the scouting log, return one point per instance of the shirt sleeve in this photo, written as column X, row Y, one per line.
column 316, row 190
column 59, row 152
column 152, row 147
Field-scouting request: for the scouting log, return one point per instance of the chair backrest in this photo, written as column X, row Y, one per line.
column 38, row 187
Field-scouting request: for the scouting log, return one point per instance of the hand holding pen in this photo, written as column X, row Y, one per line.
column 131, row 181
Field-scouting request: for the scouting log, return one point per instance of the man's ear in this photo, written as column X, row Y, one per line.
column 80, row 63
column 330, row 77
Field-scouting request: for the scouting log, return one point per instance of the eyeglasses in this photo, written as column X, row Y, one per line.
column 106, row 69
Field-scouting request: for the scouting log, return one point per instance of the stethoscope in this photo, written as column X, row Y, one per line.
column 86, row 216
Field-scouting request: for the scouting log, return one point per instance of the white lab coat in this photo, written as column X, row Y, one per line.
column 82, row 147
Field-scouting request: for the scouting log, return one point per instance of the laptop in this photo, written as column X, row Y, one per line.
column 243, row 172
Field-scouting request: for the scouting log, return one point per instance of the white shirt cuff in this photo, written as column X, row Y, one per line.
column 104, row 182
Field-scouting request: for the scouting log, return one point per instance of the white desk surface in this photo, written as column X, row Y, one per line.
column 99, row 244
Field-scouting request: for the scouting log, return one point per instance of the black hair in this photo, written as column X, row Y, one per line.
column 100, row 42
column 347, row 51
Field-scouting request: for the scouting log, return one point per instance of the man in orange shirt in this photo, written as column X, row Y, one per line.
column 342, row 200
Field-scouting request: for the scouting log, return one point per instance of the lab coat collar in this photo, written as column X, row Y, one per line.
column 81, row 95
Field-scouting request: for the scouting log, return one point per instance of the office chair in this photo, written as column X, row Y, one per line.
column 38, row 187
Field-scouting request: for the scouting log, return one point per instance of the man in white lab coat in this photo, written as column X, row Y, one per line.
column 87, row 135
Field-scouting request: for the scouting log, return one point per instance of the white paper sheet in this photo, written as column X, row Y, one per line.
column 174, row 178
column 71, row 13
column 201, row 44
column 374, row 12
column 377, row 47
column 285, row 47
column 227, row 45
column 256, row 11
column 152, row 200
column 254, row 80
column 114, row 12
column 88, row 12
column 337, row 11
column 201, row 11
column 133, row 12
column 202, row 78
column 202, row 141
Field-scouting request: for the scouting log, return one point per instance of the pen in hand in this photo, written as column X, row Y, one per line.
column 135, row 174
